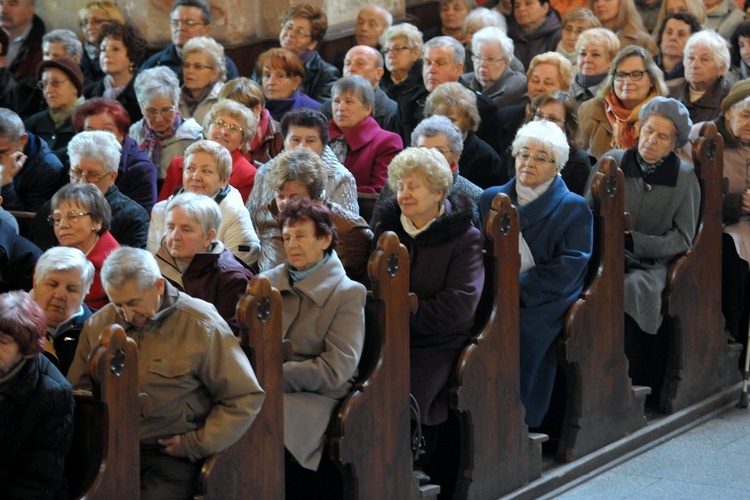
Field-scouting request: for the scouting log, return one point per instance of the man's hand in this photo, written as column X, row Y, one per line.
column 12, row 164
column 173, row 446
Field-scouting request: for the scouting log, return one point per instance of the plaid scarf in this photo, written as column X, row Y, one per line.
column 153, row 140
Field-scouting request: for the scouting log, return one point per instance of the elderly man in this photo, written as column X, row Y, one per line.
column 372, row 21
column 188, row 19
column 31, row 171
column 189, row 362
column 368, row 63
column 25, row 30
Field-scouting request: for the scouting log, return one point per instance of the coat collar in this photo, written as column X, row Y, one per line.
column 543, row 206
column 665, row 175
column 320, row 285
column 359, row 136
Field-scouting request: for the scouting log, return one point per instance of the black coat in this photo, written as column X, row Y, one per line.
column 65, row 340
column 126, row 98
column 319, row 78
column 42, row 125
column 18, row 258
column 479, row 163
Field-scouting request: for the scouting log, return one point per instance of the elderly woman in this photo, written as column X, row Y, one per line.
column 447, row 275
column 401, row 46
column 493, row 76
column 622, row 18
column 663, row 198
column 121, row 51
column 136, row 174
column 596, row 49
column 81, row 217
column 356, row 138
column 232, row 125
column 303, row 27
column 91, row 18
column 702, row 89
column 324, row 321
column 480, row 164
column 163, row 133
column 477, row 19
column 534, row 28
column 723, row 16
column 61, row 82
column 739, row 49
column 574, row 23
column 267, row 141
column 556, row 243
column 62, row 279
column 670, row 43
column 36, row 405
column 208, row 166
column 611, row 119
column 453, row 13
column 204, row 70
column 281, row 75
column 300, row 173
column 195, row 262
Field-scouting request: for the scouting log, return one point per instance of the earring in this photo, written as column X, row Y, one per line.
column 131, row 67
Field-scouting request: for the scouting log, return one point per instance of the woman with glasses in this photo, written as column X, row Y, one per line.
column 555, row 246
column 163, row 133
column 611, row 119
column 204, row 71
column 121, row 51
column 91, row 18
column 282, row 74
column 232, row 125
column 401, row 46
column 81, row 217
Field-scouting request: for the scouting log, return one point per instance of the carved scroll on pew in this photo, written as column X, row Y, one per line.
column 497, row 453
column 104, row 459
column 370, row 434
column 700, row 363
column 602, row 405
column 254, row 465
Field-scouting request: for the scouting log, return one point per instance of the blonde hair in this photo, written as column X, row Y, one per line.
column 603, row 36
column 428, row 162
column 564, row 67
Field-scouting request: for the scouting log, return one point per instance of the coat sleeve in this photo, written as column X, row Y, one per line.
column 238, row 235
column 78, row 373
column 156, row 228
column 379, row 171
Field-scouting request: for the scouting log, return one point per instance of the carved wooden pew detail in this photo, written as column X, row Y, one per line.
column 497, row 453
column 602, row 406
column 254, row 465
column 700, row 363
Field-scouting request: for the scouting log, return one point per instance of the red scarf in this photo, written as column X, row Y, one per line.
column 624, row 122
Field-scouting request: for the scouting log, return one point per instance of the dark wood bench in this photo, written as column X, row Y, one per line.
column 25, row 222
column 366, row 203
column 701, row 361
column 498, row 454
column 602, row 405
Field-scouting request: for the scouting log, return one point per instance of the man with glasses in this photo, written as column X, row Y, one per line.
column 25, row 30
column 187, row 19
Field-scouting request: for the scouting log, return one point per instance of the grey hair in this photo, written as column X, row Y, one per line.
column 426, row 161
column 127, row 264
column 210, row 47
column 357, row 85
column 156, row 82
column 546, row 135
column 404, row 30
column 459, row 53
column 11, row 125
column 437, row 125
column 72, row 45
column 714, row 42
column 734, row 108
column 237, row 111
column 301, row 165
column 98, row 145
column 482, row 17
column 221, row 155
column 450, row 95
column 63, row 259
column 88, row 196
column 199, row 207
column 493, row 35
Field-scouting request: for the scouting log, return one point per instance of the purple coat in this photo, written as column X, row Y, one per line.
column 136, row 176
column 447, row 275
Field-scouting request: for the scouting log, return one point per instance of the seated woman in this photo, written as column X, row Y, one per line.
column 281, row 75
column 267, row 141
column 62, row 279
column 556, row 242
column 402, row 50
column 663, row 198
column 195, row 262
column 91, row 18
column 356, row 138
column 452, row 16
column 477, row 19
column 324, row 321
column 574, row 23
column 300, row 173
column 739, row 51
column 232, row 125
column 208, row 166
column 695, row 7
column 61, row 82
column 621, row 18
column 596, row 49
column 446, row 273
column 204, row 70
column 534, row 28
column 163, row 133
column 670, row 43
column 81, row 217
column 36, row 404
column 611, row 119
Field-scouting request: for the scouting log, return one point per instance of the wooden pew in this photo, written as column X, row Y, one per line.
column 701, row 362
column 104, row 458
column 602, row 406
column 254, row 465
column 366, row 203
column 25, row 222
column 497, row 453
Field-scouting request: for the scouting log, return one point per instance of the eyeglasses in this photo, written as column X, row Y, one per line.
column 72, row 216
column 153, row 113
column 196, row 66
column 297, row 32
column 55, row 84
column 92, row 22
column 226, row 126
column 635, row 76
column 489, row 60
column 78, row 174
column 550, row 118
column 397, row 49
column 187, row 23
column 537, row 160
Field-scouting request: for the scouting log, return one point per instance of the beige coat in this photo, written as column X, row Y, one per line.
column 596, row 132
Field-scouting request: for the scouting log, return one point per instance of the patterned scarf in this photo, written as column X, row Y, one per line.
column 623, row 121
column 152, row 143
column 260, row 132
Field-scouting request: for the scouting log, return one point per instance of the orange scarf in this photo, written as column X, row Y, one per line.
column 624, row 122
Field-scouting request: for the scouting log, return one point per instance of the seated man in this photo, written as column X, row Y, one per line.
column 190, row 364
column 25, row 30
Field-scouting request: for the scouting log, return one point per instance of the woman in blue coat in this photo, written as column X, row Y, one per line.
column 556, row 239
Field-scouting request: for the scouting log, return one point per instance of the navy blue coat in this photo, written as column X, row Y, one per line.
column 136, row 175
column 18, row 258
column 558, row 227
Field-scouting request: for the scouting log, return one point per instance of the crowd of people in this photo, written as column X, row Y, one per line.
column 161, row 185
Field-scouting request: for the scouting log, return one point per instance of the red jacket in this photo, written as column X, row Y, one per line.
column 97, row 298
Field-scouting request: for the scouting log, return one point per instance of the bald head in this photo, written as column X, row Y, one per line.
column 372, row 20
column 366, row 62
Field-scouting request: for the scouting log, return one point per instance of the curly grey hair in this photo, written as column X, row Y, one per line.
column 425, row 161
